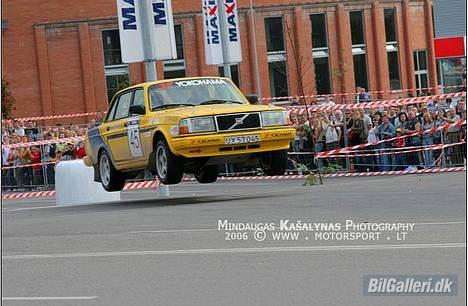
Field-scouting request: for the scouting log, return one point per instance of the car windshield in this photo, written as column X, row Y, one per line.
column 194, row 92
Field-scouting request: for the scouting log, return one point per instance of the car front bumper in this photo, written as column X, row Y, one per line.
column 209, row 145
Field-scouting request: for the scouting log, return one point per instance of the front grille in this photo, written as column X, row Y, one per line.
column 236, row 122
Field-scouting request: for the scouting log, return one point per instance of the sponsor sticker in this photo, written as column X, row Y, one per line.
column 200, row 82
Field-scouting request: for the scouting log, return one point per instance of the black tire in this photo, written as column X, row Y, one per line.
column 111, row 179
column 207, row 174
column 169, row 169
column 274, row 162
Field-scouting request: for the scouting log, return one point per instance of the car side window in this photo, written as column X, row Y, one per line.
column 124, row 104
column 139, row 98
column 111, row 113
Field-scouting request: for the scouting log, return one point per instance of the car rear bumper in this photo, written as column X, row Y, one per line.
column 214, row 144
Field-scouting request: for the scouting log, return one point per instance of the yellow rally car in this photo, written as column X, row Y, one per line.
column 185, row 125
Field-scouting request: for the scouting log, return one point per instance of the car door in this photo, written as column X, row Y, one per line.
column 116, row 130
column 135, row 129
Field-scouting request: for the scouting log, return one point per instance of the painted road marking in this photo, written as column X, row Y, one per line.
column 238, row 250
column 47, row 298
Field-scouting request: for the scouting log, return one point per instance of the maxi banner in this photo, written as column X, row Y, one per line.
column 212, row 32
column 159, row 27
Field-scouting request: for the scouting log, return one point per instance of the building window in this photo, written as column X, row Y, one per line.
column 421, row 72
column 394, row 70
column 320, row 53
column 359, row 49
column 278, row 79
column 176, row 68
column 391, row 39
column 234, row 73
column 276, row 57
column 319, row 31
column 274, row 34
column 115, row 70
column 453, row 73
column 390, row 25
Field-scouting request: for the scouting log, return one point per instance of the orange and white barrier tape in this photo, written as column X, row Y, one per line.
column 28, row 165
column 33, row 194
column 63, row 116
column 152, row 184
column 391, row 102
column 428, row 148
column 44, row 142
column 75, row 115
column 358, row 147
column 355, row 93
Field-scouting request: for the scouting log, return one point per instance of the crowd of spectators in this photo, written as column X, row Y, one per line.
column 329, row 130
column 318, row 132
column 41, row 158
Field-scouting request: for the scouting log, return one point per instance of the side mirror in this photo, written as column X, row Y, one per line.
column 253, row 99
column 137, row 109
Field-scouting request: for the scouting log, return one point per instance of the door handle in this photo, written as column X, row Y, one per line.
column 125, row 124
column 108, row 128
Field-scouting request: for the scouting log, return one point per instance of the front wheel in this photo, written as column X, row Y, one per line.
column 111, row 179
column 207, row 174
column 274, row 162
column 169, row 167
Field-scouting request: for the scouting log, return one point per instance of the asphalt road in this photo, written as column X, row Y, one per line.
column 147, row 251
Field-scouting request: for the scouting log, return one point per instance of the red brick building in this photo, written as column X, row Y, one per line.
column 64, row 56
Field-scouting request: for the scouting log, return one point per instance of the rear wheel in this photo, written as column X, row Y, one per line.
column 274, row 162
column 169, row 167
column 207, row 174
column 111, row 179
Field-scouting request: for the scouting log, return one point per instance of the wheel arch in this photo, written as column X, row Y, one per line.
column 158, row 135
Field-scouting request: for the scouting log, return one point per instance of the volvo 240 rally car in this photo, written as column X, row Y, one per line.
column 185, row 125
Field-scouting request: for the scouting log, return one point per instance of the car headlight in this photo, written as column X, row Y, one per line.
column 270, row 118
column 197, row 125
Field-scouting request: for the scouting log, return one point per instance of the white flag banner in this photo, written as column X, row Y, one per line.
column 161, row 25
column 234, row 51
column 212, row 33
column 131, row 41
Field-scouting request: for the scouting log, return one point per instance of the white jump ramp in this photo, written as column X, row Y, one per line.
column 75, row 185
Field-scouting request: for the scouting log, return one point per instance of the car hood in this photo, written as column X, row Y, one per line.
column 216, row 109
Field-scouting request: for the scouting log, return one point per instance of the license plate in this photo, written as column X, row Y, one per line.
column 232, row 140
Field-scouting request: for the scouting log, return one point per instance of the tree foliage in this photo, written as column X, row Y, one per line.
column 8, row 101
